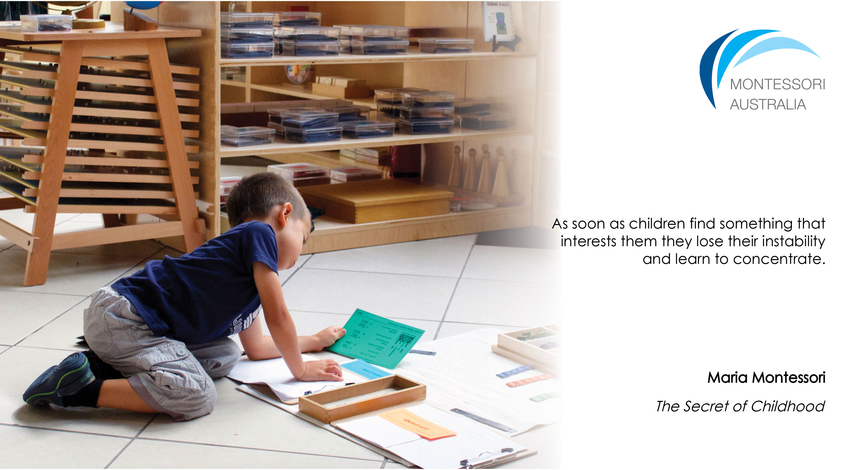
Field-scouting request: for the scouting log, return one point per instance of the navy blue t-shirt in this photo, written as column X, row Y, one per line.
column 206, row 294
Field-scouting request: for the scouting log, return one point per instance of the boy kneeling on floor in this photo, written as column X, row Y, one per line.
column 160, row 336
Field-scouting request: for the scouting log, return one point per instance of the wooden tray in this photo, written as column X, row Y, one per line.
column 377, row 200
column 528, row 351
column 398, row 390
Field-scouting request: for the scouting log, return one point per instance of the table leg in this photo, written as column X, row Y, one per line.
column 58, row 129
column 175, row 149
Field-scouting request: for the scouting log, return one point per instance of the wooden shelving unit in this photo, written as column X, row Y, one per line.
column 80, row 99
column 509, row 79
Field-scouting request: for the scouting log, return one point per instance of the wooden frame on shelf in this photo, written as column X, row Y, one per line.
column 48, row 197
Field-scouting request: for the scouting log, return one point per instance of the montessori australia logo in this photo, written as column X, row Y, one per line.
column 753, row 43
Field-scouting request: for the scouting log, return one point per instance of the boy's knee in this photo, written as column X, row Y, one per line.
column 192, row 402
column 223, row 359
column 185, row 397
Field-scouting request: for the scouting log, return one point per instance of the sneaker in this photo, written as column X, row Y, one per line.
column 68, row 378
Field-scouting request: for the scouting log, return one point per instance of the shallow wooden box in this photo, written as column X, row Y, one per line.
column 360, row 202
column 391, row 390
column 529, row 352
column 341, row 91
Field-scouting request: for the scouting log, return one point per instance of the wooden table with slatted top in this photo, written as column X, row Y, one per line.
column 98, row 50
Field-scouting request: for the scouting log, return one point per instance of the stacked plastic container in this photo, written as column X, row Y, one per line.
column 445, row 45
column 426, row 112
column 305, row 125
column 388, row 101
column 302, row 174
column 307, row 40
column 46, row 23
column 344, row 37
column 247, row 35
column 379, row 40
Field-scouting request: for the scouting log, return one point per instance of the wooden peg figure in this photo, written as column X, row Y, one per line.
column 455, row 172
column 500, row 182
column 485, row 180
column 469, row 171
column 515, row 173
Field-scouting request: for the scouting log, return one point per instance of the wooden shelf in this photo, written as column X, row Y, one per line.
column 413, row 56
column 333, row 234
column 300, row 92
column 509, row 79
column 399, row 139
column 233, row 83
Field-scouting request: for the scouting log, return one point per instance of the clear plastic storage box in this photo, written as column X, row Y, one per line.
column 306, row 48
column 379, row 33
column 427, row 99
column 308, row 136
column 388, row 111
column 245, row 136
column 303, row 118
column 445, row 45
column 351, row 112
column 485, row 120
column 354, row 173
column 418, row 114
column 379, row 47
column 345, row 45
column 246, row 51
column 236, row 74
column 308, row 33
column 46, row 23
column 226, row 185
column 246, row 20
column 393, row 95
column 297, row 18
column 367, row 129
column 299, row 170
column 437, row 126
column 469, row 105
column 246, row 35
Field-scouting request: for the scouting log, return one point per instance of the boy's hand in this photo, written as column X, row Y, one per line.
column 328, row 336
column 324, row 369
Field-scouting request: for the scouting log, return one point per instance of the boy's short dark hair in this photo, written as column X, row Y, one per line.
column 256, row 195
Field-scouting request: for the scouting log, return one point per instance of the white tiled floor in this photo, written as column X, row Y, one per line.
column 445, row 287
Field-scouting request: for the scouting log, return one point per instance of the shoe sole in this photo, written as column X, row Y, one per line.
column 87, row 378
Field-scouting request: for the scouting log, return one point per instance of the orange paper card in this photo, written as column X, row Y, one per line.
column 415, row 424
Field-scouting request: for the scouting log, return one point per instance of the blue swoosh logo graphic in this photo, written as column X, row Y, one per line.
column 706, row 65
column 735, row 45
column 738, row 43
column 773, row 44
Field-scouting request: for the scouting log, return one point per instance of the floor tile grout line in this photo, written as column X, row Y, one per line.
column 454, row 290
column 87, row 433
column 45, row 348
column 131, row 441
column 39, row 293
column 382, row 272
column 226, row 446
column 51, row 321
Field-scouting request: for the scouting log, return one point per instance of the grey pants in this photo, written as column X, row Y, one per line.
column 169, row 375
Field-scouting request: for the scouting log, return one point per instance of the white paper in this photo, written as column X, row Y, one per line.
column 463, row 375
column 472, row 441
column 379, row 431
column 275, row 373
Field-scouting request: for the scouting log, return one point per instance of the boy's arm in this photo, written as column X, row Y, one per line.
column 259, row 347
column 282, row 330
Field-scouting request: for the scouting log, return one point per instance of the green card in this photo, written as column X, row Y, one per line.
column 376, row 340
